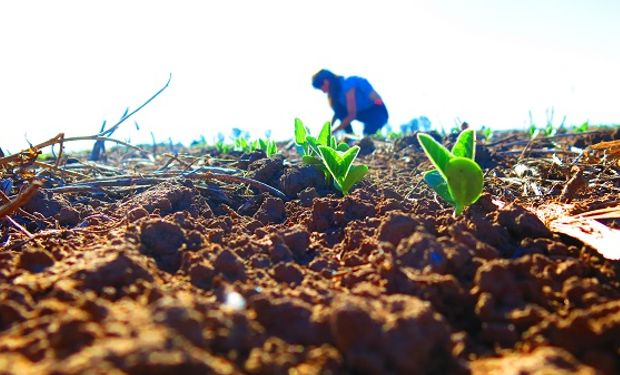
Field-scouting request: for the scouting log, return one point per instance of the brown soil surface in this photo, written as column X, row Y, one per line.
column 185, row 275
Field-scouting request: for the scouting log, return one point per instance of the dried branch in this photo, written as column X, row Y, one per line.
column 241, row 180
column 153, row 179
column 20, row 227
column 99, row 145
column 62, row 170
column 115, row 126
column 20, row 200
column 60, row 138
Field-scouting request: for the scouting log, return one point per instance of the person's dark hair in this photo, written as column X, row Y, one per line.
column 320, row 76
column 334, row 90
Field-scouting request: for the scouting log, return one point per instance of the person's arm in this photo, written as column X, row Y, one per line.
column 351, row 111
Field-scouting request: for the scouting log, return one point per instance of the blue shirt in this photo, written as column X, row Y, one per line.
column 362, row 92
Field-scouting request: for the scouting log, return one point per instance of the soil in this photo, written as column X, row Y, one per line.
column 184, row 275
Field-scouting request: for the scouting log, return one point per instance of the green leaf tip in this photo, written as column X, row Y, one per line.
column 435, row 151
column 300, row 132
column 465, row 145
column 340, row 166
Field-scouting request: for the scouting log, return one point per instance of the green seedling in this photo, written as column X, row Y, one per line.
column 393, row 136
column 301, row 135
column 582, row 128
column 457, row 178
column 549, row 130
column 532, row 131
column 223, row 148
column 242, row 144
column 341, row 168
column 486, row 132
column 309, row 145
column 331, row 157
column 268, row 146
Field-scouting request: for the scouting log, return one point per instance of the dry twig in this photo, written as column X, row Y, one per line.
column 20, row 200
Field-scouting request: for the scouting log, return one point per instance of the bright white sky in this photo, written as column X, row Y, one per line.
column 68, row 65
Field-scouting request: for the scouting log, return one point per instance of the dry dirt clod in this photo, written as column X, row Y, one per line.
column 160, row 237
column 271, row 211
column 35, row 259
column 574, row 185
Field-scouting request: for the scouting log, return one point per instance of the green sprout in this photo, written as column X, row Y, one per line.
column 268, row 146
column 393, row 136
column 487, row 133
column 333, row 158
column 457, row 178
column 582, row 128
column 340, row 166
column 222, row 147
column 242, row 144
column 301, row 135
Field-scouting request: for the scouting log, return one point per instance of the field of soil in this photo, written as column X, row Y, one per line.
column 201, row 263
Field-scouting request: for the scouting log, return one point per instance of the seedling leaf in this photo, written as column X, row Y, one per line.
column 457, row 178
column 342, row 146
column 333, row 161
column 465, row 145
column 355, row 175
column 300, row 132
column 325, row 134
column 465, row 182
column 436, row 152
column 313, row 144
column 272, row 148
column 436, row 181
column 337, row 163
column 311, row 160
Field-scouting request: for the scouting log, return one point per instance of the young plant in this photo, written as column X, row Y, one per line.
column 222, row 147
column 582, row 128
column 341, row 168
column 486, row 132
column 334, row 159
column 301, row 135
column 393, row 136
column 268, row 146
column 242, row 144
column 457, row 178
column 309, row 145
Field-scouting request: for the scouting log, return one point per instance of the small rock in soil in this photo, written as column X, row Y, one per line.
column 366, row 145
column 44, row 203
column 306, row 196
column 296, row 179
column 267, row 170
column 160, row 237
column 522, row 223
column 271, row 211
column 396, row 226
column 68, row 217
column 229, row 264
column 35, row 259
column 297, row 239
column 289, row 273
